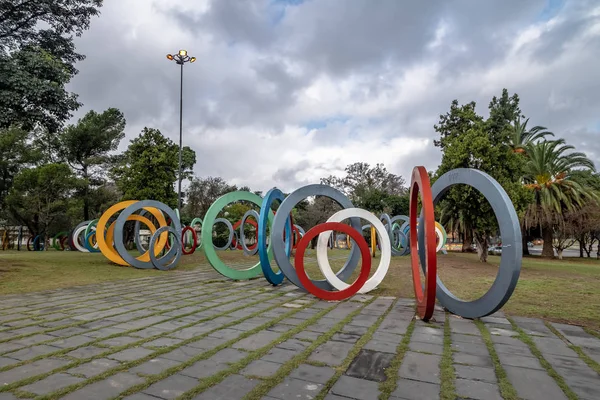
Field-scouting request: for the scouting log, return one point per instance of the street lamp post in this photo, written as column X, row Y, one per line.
column 180, row 58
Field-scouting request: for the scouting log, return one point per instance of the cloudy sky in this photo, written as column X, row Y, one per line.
column 287, row 91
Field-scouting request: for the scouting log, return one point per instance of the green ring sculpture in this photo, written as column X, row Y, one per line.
column 207, row 237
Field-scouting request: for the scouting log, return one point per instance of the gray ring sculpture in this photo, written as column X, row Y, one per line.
column 512, row 251
column 120, row 224
column 247, row 251
column 237, row 240
column 230, row 227
column 387, row 222
column 405, row 250
column 284, row 210
column 158, row 262
column 136, row 233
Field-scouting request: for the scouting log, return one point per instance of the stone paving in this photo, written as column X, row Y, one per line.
column 194, row 335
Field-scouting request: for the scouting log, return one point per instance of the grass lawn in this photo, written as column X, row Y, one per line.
column 564, row 291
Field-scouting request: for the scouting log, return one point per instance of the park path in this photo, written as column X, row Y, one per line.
column 195, row 335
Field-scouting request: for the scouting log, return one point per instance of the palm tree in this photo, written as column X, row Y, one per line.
column 520, row 137
column 548, row 173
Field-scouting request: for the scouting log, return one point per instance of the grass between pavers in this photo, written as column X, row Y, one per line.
column 339, row 370
column 75, row 324
column 540, row 294
column 588, row 360
column 387, row 387
column 591, row 332
column 78, row 303
column 507, row 390
column 264, row 387
column 206, row 383
column 127, row 365
column 109, row 307
column 113, row 350
column 525, row 338
column 447, row 373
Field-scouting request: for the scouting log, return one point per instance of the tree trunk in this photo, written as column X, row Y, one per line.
column 580, row 240
column 86, row 200
column 467, row 242
column 482, row 248
column 525, row 241
column 547, row 249
column 559, row 252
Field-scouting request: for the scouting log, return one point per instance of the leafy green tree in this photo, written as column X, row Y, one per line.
column 86, row 147
column 37, row 57
column 548, row 174
column 147, row 170
column 469, row 141
column 41, row 195
column 520, row 136
column 202, row 192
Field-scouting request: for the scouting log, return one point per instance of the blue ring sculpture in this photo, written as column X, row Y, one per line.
column 274, row 278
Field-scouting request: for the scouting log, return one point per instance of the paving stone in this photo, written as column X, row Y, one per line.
column 154, row 366
column 31, row 352
column 388, row 337
column 228, row 355
column 331, row 353
column 463, row 326
column 232, row 387
column 533, row 326
column 293, row 344
column 553, row 346
column 5, row 361
column 256, row 341
column 292, row 388
column 31, row 340
column 8, row 396
column 86, row 352
column 533, row 384
column 502, row 332
column 104, row 332
column 312, row 373
column 496, row 320
column 307, row 335
column 370, row 365
column 356, row 388
column 172, row 387
column 51, row 383
column 73, row 341
column 414, row 390
column 516, row 360
column 352, row 329
column 420, row 367
column 6, row 347
column 162, row 342
column 475, row 373
column 107, row 388
column 381, row 346
column 470, row 348
column 132, row 354
column 203, row 369
column 119, row 341
column 140, row 396
column 207, row 343
column 183, row 353
column 280, row 356
column 261, row 368
column 282, row 328
column 226, row 333
column 470, row 359
column 477, row 390
column 426, row 347
column 345, row 337
column 459, row 337
column 94, row 367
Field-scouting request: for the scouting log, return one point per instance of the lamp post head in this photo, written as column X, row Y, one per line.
column 183, row 53
column 170, row 57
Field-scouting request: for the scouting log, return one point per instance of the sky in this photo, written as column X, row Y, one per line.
column 285, row 92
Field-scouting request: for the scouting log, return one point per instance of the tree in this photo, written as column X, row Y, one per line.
column 372, row 188
column 37, row 57
column 548, row 174
column 86, row 146
column 41, row 195
column 520, row 136
column 469, row 141
column 148, row 168
column 202, row 192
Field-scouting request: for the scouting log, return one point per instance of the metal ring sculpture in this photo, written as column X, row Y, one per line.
column 274, row 278
column 512, row 251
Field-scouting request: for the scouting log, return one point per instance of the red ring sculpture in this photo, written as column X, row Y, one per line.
column 424, row 294
column 364, row 252
column 195, row 240
column 236, row 226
